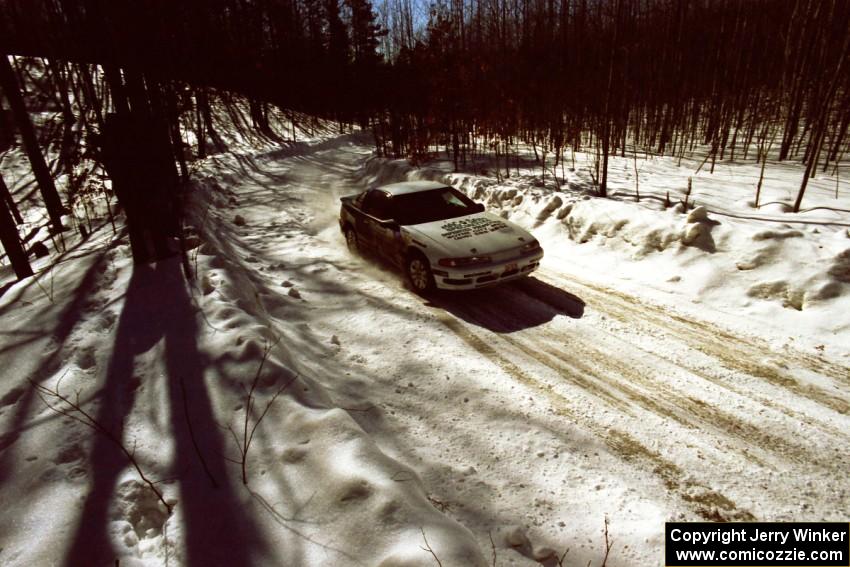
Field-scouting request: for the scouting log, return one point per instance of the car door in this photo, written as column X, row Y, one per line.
column 379, row 232
column 366, row 220
column 387, row 233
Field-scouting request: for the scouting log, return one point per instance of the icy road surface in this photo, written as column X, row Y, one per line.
column 541, row 408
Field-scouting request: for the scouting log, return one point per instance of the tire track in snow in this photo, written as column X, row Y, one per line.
column 736, row 354
column 706, row 502
column 738, row 374
column 669, row 403
column 630, row 378
column 606, row 372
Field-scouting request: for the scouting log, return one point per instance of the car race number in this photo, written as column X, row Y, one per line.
column 464, row 228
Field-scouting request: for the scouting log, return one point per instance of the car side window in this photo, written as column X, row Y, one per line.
column 378, row 204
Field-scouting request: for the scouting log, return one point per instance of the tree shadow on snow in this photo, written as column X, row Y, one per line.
column 511, row 307
column 66, row 321
column 215, row 529
column 7, row 286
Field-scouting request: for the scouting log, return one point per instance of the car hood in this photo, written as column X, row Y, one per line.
column 481, row 233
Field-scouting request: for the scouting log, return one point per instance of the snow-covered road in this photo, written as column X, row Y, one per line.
column 546, row 406
column 511, row 424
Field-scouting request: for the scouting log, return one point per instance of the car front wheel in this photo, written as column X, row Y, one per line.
column 419, row 274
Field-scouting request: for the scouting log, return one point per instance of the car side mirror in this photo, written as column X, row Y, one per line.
column 479, row 208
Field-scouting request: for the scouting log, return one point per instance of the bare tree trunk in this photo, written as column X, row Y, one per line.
column 9, row 85
column 6, row 196
column 200, row 131
column 763, row 151
column 90, row 93
column 172, row 115
column 203, row 101
column 11, row 241
column 606, row 127
column 112, row 74
column 819, row 131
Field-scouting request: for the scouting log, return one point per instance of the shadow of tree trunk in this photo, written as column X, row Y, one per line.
column 216, row 531
column 67, row 321
column 137, row 333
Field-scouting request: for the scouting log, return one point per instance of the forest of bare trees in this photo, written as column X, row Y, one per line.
column 664, row 77
column 730, row 80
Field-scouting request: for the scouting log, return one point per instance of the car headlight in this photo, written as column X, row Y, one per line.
column 468, row 261
column 530, row 246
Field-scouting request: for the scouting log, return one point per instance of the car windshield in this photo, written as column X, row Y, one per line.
column 429, row 206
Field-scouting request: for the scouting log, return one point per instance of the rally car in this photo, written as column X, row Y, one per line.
column 438, row 236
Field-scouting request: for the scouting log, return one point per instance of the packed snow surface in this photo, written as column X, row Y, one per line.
column 667, row 362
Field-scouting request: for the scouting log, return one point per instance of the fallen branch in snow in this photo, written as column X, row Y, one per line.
column 608, row 544
column 428, row 548
column 249, row 429
column 492, row 546
column 63, row 405
column 561, row 558
column 436, row 502
column 47, row 293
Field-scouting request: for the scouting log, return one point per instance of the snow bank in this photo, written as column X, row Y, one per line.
column 166, row 369
column 338, row 497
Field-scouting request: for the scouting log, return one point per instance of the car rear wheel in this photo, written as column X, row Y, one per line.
column 351, row 240
column 419, row 274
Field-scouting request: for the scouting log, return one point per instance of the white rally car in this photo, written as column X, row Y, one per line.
column 438, row 236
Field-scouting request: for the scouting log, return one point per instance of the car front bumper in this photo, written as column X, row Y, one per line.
column 475, row 277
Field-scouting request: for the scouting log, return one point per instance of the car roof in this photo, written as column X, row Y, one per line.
column 411, row 187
